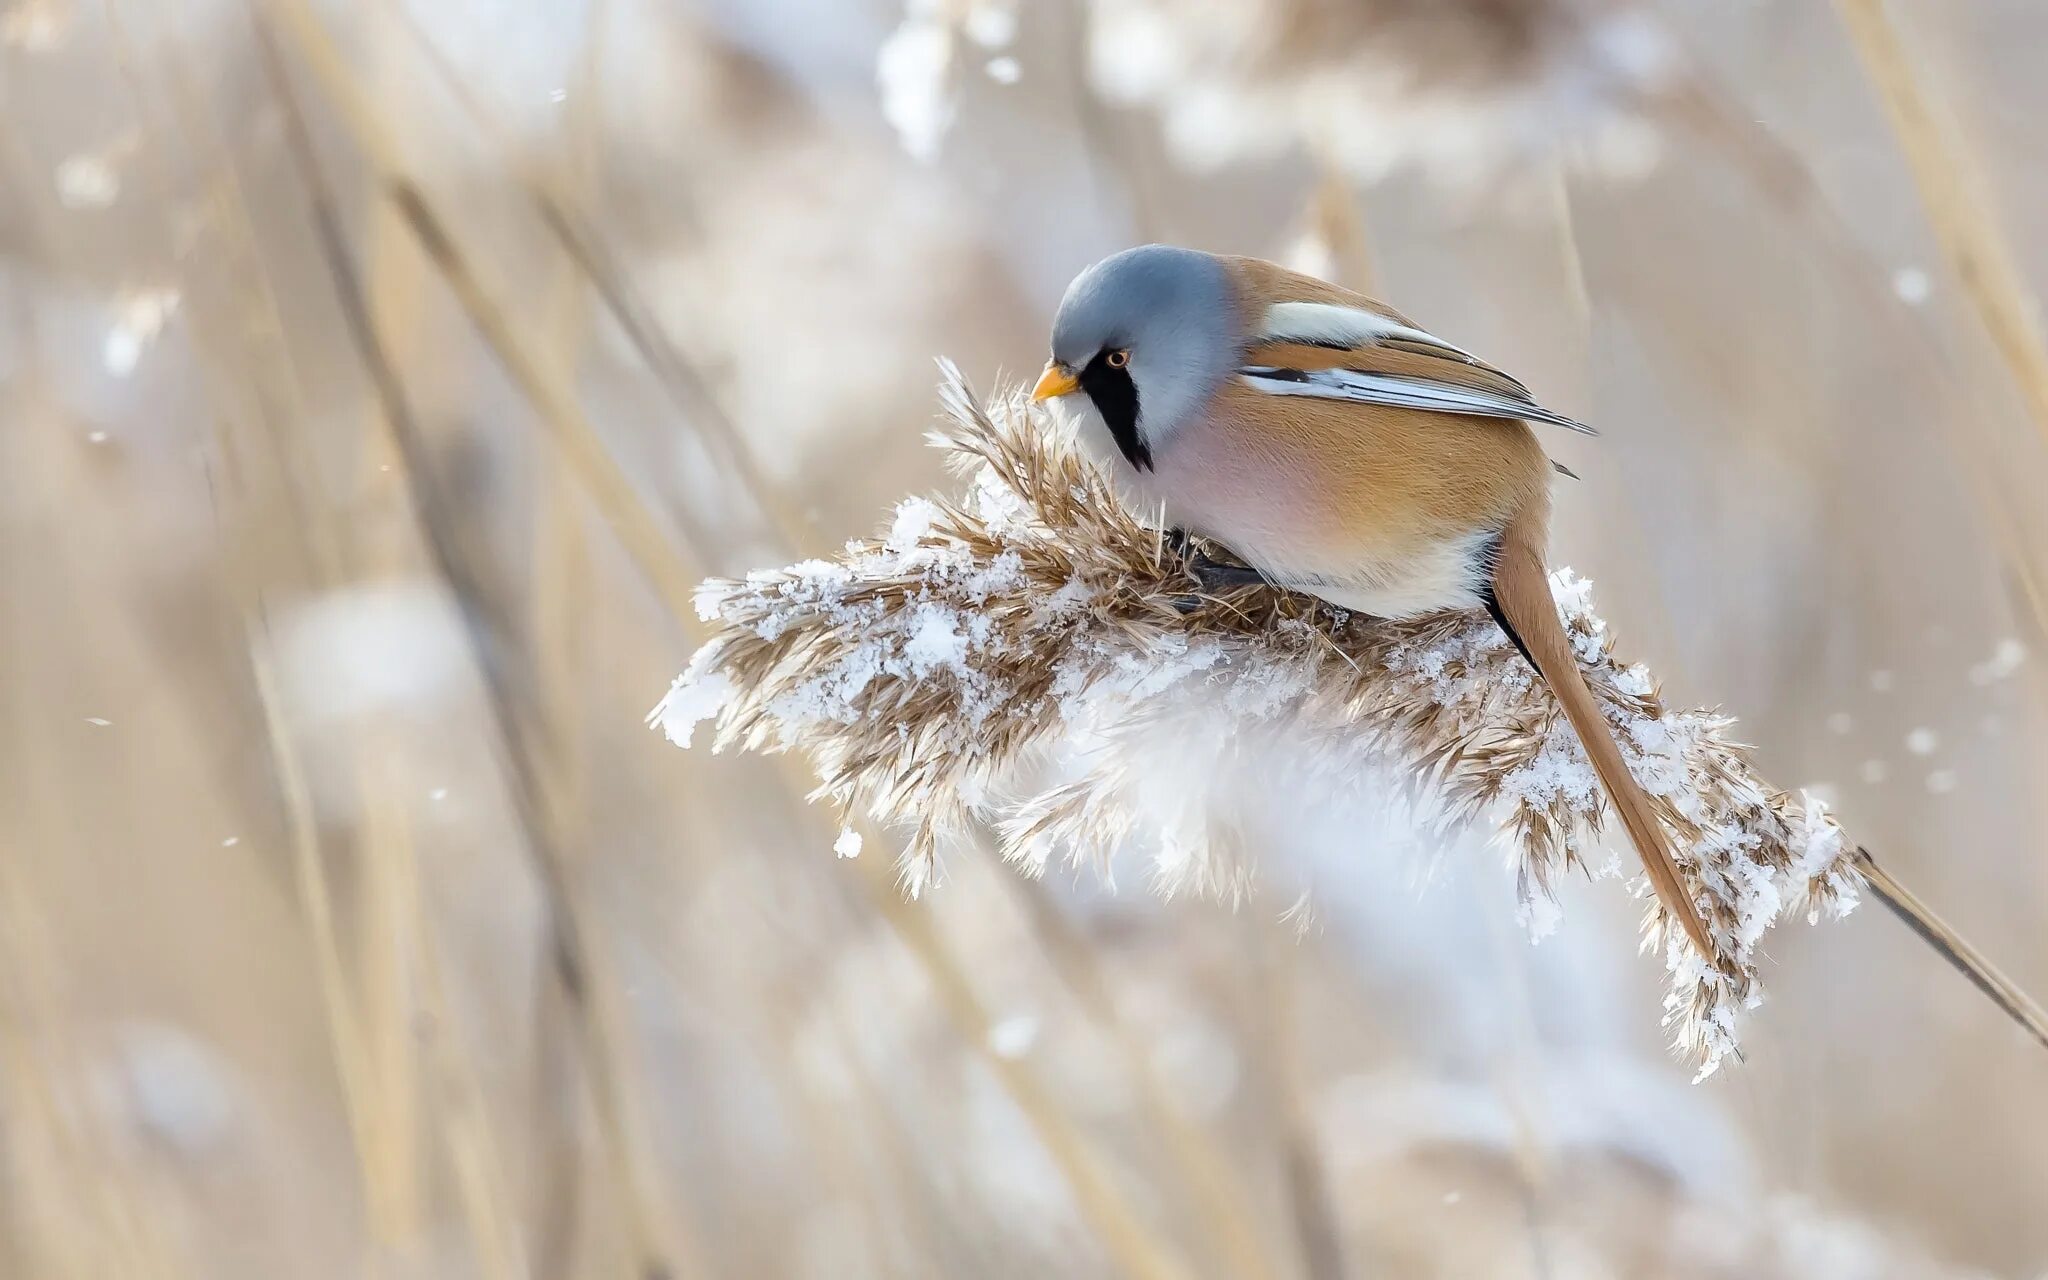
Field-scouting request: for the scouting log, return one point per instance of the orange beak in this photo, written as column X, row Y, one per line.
column 1055, row 381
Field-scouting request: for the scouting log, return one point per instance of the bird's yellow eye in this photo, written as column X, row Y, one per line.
column 1118, row 359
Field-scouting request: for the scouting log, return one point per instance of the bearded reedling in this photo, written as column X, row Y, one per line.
column 1340, row 450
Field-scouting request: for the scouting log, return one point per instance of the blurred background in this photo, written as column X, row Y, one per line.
column 377, row 376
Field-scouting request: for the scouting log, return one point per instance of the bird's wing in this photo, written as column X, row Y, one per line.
column 1325, row 342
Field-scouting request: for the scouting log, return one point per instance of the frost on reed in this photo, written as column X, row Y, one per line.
column 1036, row 629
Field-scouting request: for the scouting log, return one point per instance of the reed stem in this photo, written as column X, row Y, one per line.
column 1953, row 947
column 1958, row 206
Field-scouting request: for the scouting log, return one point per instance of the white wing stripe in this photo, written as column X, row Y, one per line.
column 1324, row 323
column 1399, row 392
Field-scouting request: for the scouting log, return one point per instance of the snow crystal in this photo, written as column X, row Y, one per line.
column 1003, row 70
column 1817, row 843
column 694, row 698
column 1942, row 781
column 1558, row 772
column 935, row 641
column 1923, row 741
column 912, row 525
column 848, row 845
column 710, row 598
column 1635, row 681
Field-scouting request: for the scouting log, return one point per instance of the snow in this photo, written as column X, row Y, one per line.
column 936, row 642
column 694, row 698
column 848, row 845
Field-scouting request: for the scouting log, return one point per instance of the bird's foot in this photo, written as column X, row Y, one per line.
column 1211, row 575
column 1217, row 575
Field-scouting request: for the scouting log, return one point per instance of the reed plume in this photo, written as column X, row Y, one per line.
column 1465, row 92
column 1019, row 655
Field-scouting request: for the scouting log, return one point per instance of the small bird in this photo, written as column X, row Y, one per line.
column 1339, row 449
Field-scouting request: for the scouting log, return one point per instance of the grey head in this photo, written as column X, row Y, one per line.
column 1148, row 335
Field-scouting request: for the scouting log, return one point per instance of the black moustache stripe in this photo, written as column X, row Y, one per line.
column 1116, row 399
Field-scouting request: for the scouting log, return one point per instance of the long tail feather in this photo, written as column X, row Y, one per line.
column 1523, row 605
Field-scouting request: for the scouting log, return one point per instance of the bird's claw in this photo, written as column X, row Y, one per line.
column 1213, row 576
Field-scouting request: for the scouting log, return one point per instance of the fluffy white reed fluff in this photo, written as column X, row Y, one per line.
column 1037, row 629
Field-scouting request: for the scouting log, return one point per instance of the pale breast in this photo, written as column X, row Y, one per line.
column 1384, row 511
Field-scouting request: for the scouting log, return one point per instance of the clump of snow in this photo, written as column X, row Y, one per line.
column 849, row 843
column 695, row 698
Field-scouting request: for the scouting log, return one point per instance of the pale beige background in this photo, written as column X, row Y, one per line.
column 275, row 983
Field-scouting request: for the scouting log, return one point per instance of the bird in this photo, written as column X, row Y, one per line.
column 1337, row 448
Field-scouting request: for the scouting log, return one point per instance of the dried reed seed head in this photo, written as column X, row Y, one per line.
column 1465, row 90
column 1018, row 656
